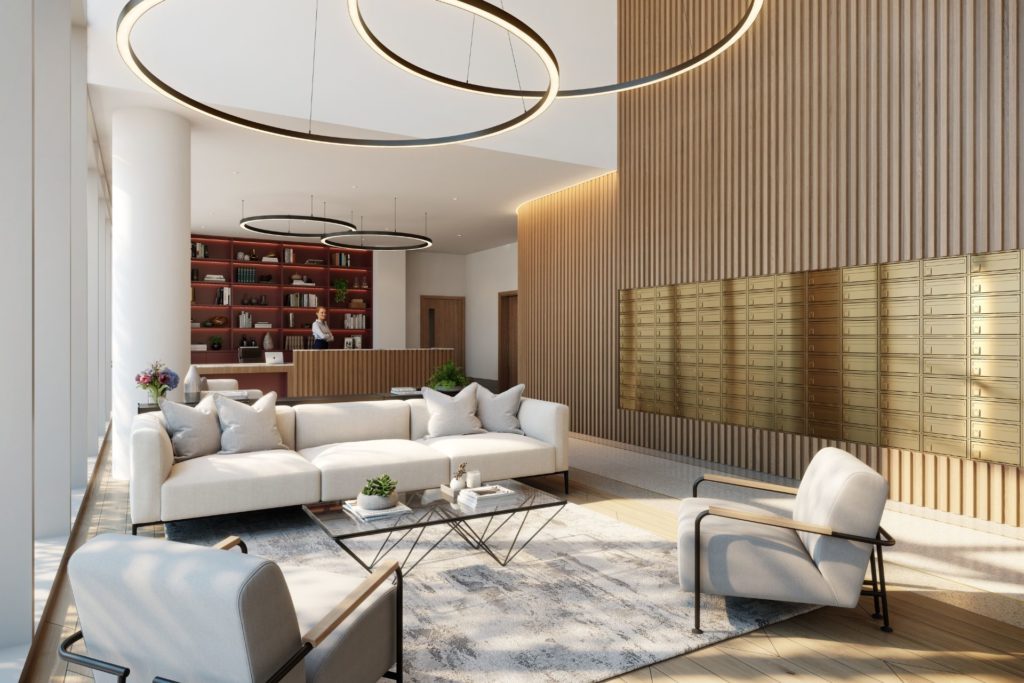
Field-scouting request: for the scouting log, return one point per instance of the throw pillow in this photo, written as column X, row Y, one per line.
column 195, row 432
column 452, row 415
column 247, row 428
column 498, row 412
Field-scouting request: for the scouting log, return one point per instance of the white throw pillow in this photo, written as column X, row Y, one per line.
column 195, row 432
column 247, row 428
column 499, row 412
column 451, row 415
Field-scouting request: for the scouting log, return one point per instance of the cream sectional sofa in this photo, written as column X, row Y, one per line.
column 331, row 449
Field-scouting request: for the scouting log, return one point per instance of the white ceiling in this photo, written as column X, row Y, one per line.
column 255, row 56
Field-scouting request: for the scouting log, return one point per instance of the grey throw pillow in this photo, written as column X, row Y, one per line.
column 247, row 428
column 195, row 432
column 499, row 412
column 451, row 415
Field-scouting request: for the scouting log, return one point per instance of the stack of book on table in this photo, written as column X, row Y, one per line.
column 352, row 508
column 486, row 495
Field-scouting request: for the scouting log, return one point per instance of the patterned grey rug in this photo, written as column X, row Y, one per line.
column 588, row 599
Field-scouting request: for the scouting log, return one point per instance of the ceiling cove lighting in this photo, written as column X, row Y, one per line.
column 134, row 10
column 705, row 56
column 381, row 240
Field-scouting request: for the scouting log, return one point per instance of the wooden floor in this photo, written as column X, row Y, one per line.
column 932, row 641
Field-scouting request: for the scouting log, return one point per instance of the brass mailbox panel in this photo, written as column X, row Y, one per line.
column 917, row 355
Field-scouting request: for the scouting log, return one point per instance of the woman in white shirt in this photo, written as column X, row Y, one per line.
column 321, row 332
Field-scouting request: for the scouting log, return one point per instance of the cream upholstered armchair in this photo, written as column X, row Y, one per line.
column 817, row 556
column 166, row 611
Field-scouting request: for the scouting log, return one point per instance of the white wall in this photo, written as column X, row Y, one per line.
column 478, row 277
column 389, row 309
column 431, row 275
column 487, row 273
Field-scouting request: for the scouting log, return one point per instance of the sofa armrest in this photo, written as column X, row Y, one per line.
column 151, row 459
column 548, row 422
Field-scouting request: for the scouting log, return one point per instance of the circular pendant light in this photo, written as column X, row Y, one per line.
column 134, row 10
column 378, row 240
column 705, row 56
column 271, row 224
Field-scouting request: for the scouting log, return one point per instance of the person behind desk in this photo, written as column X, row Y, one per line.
column 321, row 332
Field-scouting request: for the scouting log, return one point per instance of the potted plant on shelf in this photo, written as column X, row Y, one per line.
column 447, row 376
column 378, row 494
column 215, row 343
column 157, row 379
column 340, row 290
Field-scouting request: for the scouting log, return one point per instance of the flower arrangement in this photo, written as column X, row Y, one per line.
column 157, row 379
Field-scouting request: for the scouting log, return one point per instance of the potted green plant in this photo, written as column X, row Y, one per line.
column 340, row 290
column 447, row 376
column 378, row 494
column 215, row 343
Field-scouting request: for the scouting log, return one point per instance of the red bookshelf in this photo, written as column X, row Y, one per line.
column 269, row 298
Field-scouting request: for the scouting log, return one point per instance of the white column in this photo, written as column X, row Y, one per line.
column 150, row 265
column 95, row 280
column 53, row 330
column 82, row 445
column 16, row 164
column 389, row 300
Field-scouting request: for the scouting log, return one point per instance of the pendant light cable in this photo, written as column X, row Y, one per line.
column 469, row 60
column 312, row 71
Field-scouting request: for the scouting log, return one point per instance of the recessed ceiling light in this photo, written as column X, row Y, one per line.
column 455, row 199
column 458, row 235
column 355, row 187
column 234, row 172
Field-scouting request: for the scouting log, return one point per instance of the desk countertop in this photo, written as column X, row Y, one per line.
column 243, row 368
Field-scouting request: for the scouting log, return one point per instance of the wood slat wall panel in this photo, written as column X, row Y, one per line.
column 834, row 133
column 352, row 371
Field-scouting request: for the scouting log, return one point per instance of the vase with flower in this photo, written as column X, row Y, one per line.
column 157, row 379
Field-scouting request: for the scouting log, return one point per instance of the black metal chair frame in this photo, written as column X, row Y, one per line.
column 122, row 672
column 876, row 587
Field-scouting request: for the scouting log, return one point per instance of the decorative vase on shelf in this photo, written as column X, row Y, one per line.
column 377, row 502
column 268, row 342
column 192, row 381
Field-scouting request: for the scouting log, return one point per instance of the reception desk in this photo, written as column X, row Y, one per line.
column 341, row 372
column 263, row 376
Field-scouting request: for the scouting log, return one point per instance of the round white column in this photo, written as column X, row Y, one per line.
column 151, row 179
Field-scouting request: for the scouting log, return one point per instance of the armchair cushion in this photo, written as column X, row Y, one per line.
column 363, row 645
column 746, row 559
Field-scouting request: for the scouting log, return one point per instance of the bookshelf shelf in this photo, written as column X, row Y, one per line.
column 290, row 325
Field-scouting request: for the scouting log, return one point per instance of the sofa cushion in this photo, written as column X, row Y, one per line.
column 194, row 432
column 452, row 415
column 746, row 559
column 236, row 482
column 363, row 646
column 497, row 455
column 345, row 467
column 244, row 428
column 499, row 412
column 317, row 424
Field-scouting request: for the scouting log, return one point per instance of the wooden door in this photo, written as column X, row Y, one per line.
column 443, row 325
column 508, row 339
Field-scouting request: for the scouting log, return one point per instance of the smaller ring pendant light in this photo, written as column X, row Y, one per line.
column 266, row 224
column 381, row 240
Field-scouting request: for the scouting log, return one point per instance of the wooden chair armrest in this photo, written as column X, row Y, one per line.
column 770, row 520
column 333, row 619
column 745, row 483
column 231, row 542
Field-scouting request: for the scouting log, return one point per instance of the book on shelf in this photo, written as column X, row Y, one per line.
column 269, row 259
column 289, row 255
column 198, row 347
column 214, row 277
column 486, row 495
column 352, row 507
column 302, row 300
column 263, row 326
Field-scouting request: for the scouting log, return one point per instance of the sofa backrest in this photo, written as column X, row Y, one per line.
column 317, row 424
column 840, row 492
column 184, row 612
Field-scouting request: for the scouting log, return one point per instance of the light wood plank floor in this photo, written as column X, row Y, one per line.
column 933, row 641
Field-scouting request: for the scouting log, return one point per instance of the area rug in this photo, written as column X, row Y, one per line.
column 588, row 599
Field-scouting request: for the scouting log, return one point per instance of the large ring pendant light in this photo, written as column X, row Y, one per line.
column 135, row 9
column 705, row 56
column 264, row 225
column 378, row 240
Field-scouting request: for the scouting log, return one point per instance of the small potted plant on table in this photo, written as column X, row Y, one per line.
column 378, row 494
column 448, row 377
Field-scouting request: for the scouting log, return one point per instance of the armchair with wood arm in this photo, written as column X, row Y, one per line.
column 819, row 555
column 166, row 612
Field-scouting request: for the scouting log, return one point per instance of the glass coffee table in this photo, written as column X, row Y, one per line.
column 430, row 508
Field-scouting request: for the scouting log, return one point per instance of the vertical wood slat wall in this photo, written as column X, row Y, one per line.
column 834, row 133
column 353, row 371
